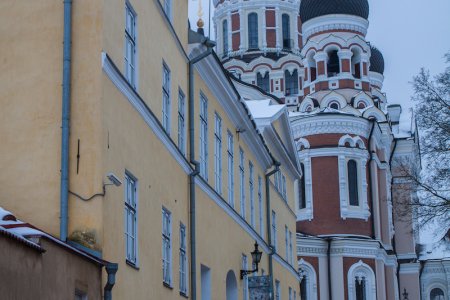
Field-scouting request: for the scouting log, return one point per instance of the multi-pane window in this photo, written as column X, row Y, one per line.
column 230, row 152
column 181, row 122
column 277, row 290
column 291, row 82
column 204, row 137
column 253, row 31
column 286, row 32
column 168, row 8
column 225, row 37
column 166, row 99
column 283, row 187
column 183, row 260
column 245, row 267
column 131, row 219
column 130, row 45
column 242, row 182
column 263, row 82
column 218, row 153
column 166, row 246
column 291, row 254
column 260, row 207
column 252, row 193
column 286, row 242
column 274, row 230
column 352, row 182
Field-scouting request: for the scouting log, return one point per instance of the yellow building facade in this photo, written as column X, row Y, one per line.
column 168, row 165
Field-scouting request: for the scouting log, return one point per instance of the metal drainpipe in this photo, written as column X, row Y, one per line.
column 64, row 191
column 111, row 269
column 195, row 172
column 330, row 294
column 370, row 179
column 269, row 228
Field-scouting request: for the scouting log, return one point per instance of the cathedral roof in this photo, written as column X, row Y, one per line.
column 310, row 9
column 376, row 61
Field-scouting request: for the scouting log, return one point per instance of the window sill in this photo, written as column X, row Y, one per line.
column 131, row 264
column 184, row 295
column 167, row 285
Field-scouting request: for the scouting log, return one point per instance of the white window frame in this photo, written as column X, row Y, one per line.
column 251, row 193
column 307, row 213
column 286, row 242
column 260, row 202
column 167, row 246
column 311, row 279
column 361, row 270
column 183, row 261
column 277, row 290
column 130, row 40
column 218, row 153
column 291, row 253
column 181, row 122
column 131, row 219
column 230, row 153
column 166, row 102
column 203, row 137
column 274, row 230
column 284, row 187
column 290, row 293
column 168, row 8
column 244, row 266
column 242, row 182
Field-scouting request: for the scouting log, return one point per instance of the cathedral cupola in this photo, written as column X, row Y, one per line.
column 376, row 68
column 310, row 9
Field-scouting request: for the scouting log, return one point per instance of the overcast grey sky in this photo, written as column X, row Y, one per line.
column 410, row 33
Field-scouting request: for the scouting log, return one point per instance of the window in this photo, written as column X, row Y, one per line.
column 352, row 182
column 261, row 223
column 263, row 82
column 79, row 295
column 131, row 219
column 218, row 154
column 230, row 152
column 274, row 230
column 181, row 122
column 360, row 286
column 286, row 242
column 291, row 82
column 303, row 288
column 283, row 187
column 295, row 295
column 166, row 246
column 225, row 37
column 291, row 254
column 130, row 45
column 252, row 31
column 183, row 260
column 168, row 8
column 166, row 99
column 277, row 290
column 203, row 137
column 290, row 293
column 302, row 188
column 245, row 267
column 333, row 67
column 308, row 282
column 334, row 105
column 286, row 32
column 436, row 294
column 361, row 282
column 242, row 182
column 252, row 194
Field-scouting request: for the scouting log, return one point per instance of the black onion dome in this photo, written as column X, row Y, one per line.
column 310, row 9
column 376, row 61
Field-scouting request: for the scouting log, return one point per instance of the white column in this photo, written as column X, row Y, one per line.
column 381, row 280
column 264, row 29
column 278, row 32
column 243, row 31
column 230, row 34
column 321, row 56
column 294, row 33
column 323, row 277
column 337, row 278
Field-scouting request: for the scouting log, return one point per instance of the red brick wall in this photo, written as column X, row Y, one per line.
column 345, row 65
column 270, row 18
column 346, row 84
column 271, row 38
column 235, row 21
column 236, row 41
column 366, row 86
column 321, row 68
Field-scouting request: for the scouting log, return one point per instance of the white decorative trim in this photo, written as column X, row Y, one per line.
column 311, row 279
column 333, row 97
column 307, row 213
column 353, row 141
column 410, row 268
column 131, row 95
column 359, row 271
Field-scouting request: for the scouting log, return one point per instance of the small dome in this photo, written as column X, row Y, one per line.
column 376, row 61
column 310, row 9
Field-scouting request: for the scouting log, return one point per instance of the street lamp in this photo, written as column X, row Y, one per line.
column 256, row 258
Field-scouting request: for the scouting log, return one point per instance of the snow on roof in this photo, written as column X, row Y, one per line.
column 406, row 127
column 27, row 234
column 262, row 109
column 325, row 110
column 439, row 250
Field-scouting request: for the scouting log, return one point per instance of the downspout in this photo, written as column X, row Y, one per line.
column 111, row 269
column 330, row 294
column 64, row 191
column 196, row 168
column 268, row 221
column 370, row 178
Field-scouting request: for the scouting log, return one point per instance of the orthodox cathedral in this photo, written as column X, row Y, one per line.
column 313, row 56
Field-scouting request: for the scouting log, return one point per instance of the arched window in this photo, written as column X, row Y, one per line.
column 436, row 294
column 225, row 37
column 334, row 105
column 356, row 63
column 360, row 288
column 302, row 188
column 333, row 67
column 287, row 41
column 352, row 172
column 308, row 283
column 361, row 282
column 291, row 82
column 231, row 286
column 308, row 108
column 263, row 82
column 303, row 288
column 361, row 105
column 253, row 31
